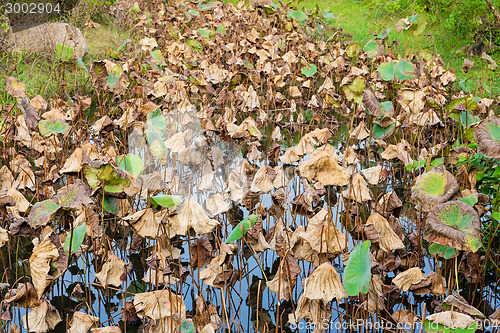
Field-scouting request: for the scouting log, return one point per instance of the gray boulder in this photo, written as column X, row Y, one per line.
column 45, row 37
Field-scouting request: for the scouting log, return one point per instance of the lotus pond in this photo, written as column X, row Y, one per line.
column 252, row 171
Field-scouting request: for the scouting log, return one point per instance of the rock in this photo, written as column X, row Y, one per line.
column 45, row 37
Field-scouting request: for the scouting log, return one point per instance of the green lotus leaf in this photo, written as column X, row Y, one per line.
column 404, row 70
column 110, row 204
column 380, row 132
column 371, row 48
column 131, row 163
column 242, row 228
column 207, row 6
column 467, row 102
column 16, row 88
column 487, row 137
column 354, row 91
column 42, row 212
column 194, row 12
column 221, row 29
column 434, row 187
column 471, row 199
column 158, row 57
column 328, row 16
column 165, row 200
column 195, row 45
column 106, row 176
column 113, row 81
column 75, row 239
column 353, row 49
column 384, row 34
column 444, row 251
column 455, row 224
column 357, row 273
column 48, row 127
column 248, row 64
column 413, row 18
column 156, row 121
column 187, row 327
column 468, row 120
column 203, row 33
column 386, row 110
column 387, row 70
column 309, row 70
column 298, row 15
column 416, row 165
column 418, row 25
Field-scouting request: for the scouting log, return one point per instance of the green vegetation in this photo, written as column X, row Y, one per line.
column 450, row 26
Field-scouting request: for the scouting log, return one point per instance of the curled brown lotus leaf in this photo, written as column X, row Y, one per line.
column 216, row 204
column 24, row 295
column 145, row 223
column 323, row 236
column 219, row 268
column 408, row 278
column 458, row 303
column 201, row 252
column 470, row 266
column 434, row 187
column 373, row 174
column 289, row 157
column 42, row 318
column 360, row 132
column 301, row 249
column 487, row 136
column 438, row 283
column 261, row 181
column 285, row 279
column 159, row 304
column 371, row 103
column 358, row 189
column 47, row 262
column 312, row 309
column 191, row 214
column 376, row 297
column 81, row 322
column 325, row 169
column 454, row 224
column 388, row 240
column 405, row 317
column 451, row 319
column 324, row 284
column 389, row 203
column 111, row 271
